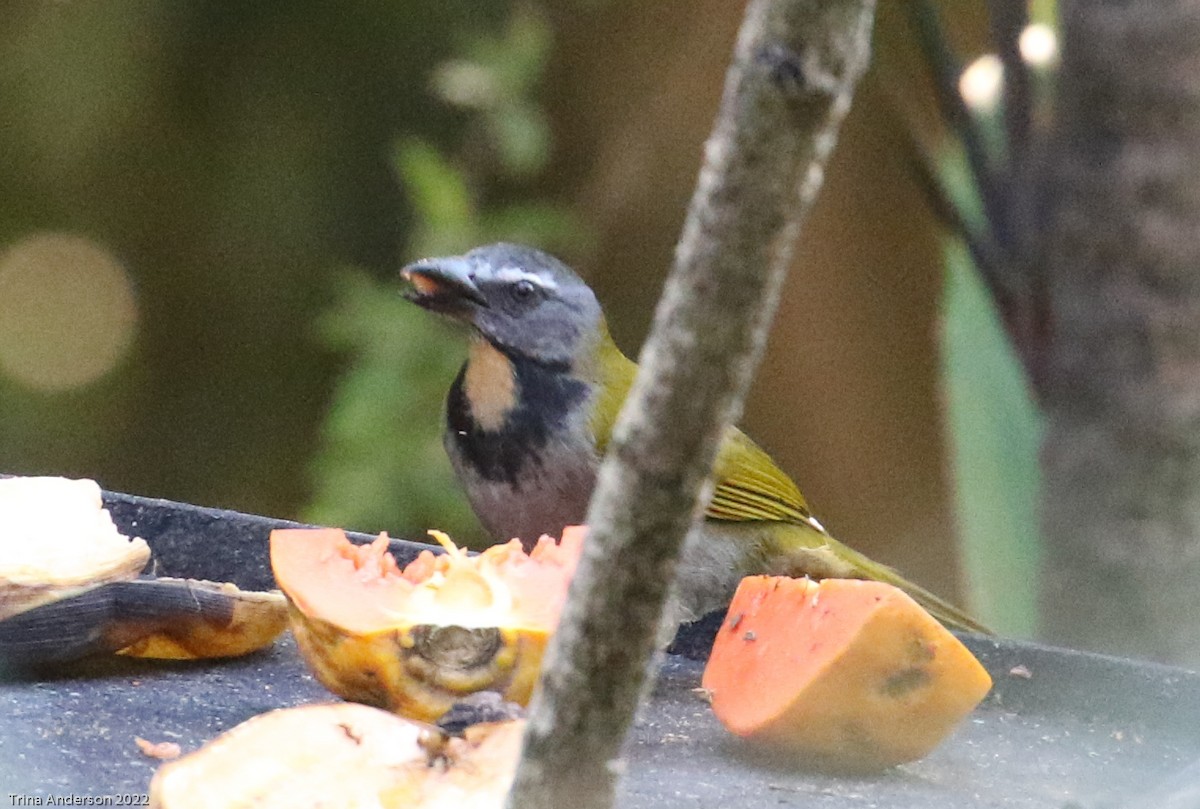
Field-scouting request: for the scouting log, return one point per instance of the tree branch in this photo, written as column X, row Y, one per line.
column 945, row 70
column 795, row 67
column 1008, row 20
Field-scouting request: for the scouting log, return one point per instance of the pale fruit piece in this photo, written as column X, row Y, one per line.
column 342, row 755
column 56, row 538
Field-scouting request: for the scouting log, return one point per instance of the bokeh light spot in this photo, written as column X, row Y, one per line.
column 980, row 84
column 1039, row 45
column 67, row 312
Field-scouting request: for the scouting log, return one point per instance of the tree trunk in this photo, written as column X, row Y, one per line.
column 1120, row 380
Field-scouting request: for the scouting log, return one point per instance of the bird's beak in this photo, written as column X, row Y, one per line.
column 443, row 285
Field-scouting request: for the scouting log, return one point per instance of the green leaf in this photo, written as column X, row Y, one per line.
column 437, row 190
column 517, row 58
column 522, row 139
column 994, row 433
column 545, row 224
column 1044, row 11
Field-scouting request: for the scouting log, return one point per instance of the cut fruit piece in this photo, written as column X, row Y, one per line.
column 178, row 619
column 416, row 640
column 69, row 587
column 223, row 621
column 341, row 755
column 840, row 674
column 56, row 538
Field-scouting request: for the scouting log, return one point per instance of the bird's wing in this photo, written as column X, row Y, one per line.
column 750, row 487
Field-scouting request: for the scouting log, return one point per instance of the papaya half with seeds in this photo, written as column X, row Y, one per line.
column 417, row 640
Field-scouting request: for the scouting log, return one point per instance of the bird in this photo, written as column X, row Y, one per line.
column 531, row 413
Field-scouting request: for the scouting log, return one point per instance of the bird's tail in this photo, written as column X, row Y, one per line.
column 804, row 549
column 950, row 615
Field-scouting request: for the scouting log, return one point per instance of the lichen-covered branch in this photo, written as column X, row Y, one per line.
column 795, row 67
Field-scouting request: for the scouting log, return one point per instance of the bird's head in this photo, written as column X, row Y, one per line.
column 524, row 302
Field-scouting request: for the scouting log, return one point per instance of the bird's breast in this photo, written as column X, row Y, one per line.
column 529, row 469
column 489, row 384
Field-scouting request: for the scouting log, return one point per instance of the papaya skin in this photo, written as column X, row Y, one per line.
column 254, row 621
column 388, row 650
column 844, row 675
column 392, row 669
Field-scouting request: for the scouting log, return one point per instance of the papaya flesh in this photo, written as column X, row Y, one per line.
column 840, row 674
column 417, row 640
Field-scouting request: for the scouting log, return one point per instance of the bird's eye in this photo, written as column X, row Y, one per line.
column 524, row 290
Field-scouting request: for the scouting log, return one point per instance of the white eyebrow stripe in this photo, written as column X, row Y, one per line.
column 510, row 275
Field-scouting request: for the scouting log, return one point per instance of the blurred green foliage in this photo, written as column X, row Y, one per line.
column 994, row 430
column 1043, row 11
column 381, row 463
column 230, row 155
column 994, row 425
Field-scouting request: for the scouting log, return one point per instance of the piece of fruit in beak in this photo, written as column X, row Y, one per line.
column 422, row 283
column 441, row 283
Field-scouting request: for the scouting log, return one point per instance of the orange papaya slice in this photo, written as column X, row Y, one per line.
column 839, row 674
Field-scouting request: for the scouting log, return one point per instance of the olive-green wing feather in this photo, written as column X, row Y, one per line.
column 750, row 487
column 753, row 492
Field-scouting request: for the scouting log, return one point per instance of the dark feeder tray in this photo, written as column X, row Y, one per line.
column 1060, row 728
